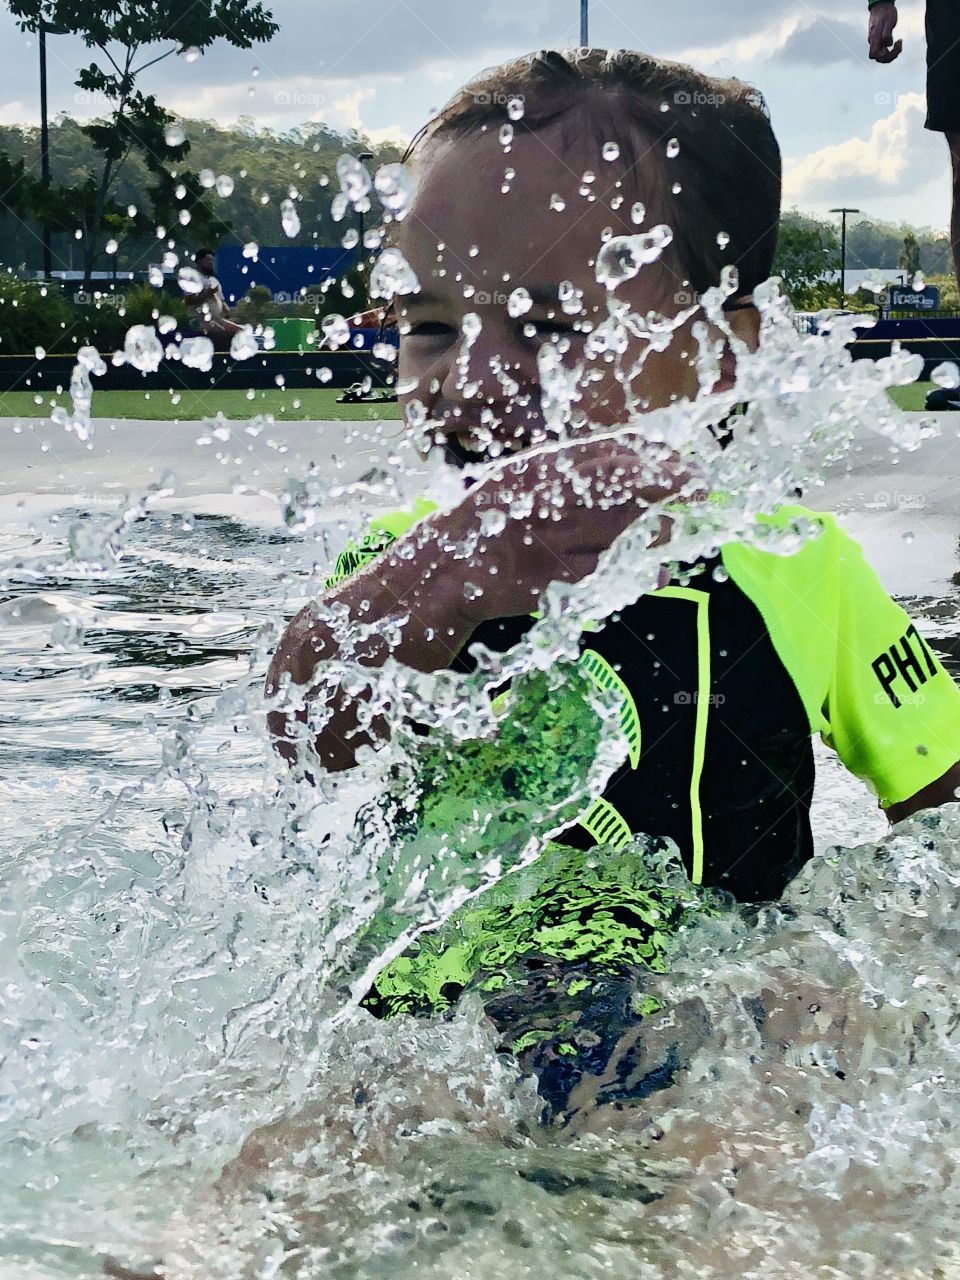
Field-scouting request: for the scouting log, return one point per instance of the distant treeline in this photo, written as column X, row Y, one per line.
column 265, row 165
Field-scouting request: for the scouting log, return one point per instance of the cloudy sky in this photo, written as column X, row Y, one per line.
column 851, row 131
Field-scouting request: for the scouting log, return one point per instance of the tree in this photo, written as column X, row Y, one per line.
column 909, row 257
column 807, row 251
column 123, row 33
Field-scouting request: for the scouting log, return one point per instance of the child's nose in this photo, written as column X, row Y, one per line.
column 491, row 365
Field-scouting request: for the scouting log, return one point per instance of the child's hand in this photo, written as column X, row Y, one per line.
column 575, row 501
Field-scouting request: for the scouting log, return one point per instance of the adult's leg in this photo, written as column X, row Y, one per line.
column 953, row 142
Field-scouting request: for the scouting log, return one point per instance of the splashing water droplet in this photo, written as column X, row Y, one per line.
column 519, row 303
column 224, row 185
column 946, row 375
column 506, row 135
column 111, row 246
column 919, row 281
column 142, row 348
column 39, row 352
column 355, row 180
column 155, row 276
column 558, row 203
column 351, row 238
column 673, row 148
column 196, row 353
column 611, row 151
column 677, row 188
column 638, row 213
column 622, row 257
column 392, row 276
column 190, row 54
column 289, row 219
column 336, row 330
column 191, row 281
column 207, row 179
column 174, row 135
column 395, row 188
column 251, row 250
column 515, row 108
column 339, row 206
column 244, row 344
column 723, row 239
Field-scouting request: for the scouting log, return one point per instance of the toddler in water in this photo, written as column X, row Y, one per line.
column 723, row 676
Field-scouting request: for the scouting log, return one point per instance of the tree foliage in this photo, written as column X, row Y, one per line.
column 125, row 35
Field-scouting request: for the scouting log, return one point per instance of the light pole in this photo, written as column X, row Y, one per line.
column 363, row 157
column 843, row 211
column 44, row 144
column 584, row 24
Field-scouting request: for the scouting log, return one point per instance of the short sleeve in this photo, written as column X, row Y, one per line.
column 892, row 710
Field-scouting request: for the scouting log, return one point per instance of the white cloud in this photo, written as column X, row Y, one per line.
column 899, row 155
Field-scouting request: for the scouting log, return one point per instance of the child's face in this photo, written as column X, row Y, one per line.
column 465, row 236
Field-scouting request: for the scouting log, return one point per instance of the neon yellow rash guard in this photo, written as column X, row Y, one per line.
column 722, row 681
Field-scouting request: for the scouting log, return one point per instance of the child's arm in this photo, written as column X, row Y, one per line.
column 600, row 487
column 943, row 791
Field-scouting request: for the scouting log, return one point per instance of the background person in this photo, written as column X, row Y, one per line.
column 208, row 310
column 943, row 80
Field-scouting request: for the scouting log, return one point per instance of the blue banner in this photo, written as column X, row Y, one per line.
column 285, row 270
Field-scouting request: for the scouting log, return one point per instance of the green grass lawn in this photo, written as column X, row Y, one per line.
column 284, row 405
column 911, row 396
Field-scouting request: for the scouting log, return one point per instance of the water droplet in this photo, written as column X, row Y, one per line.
column 515, row 108
column 224, row 185
column 506, row 135
column 190, row 54
column 174, row 135
column 638, row 213
column 251, row 250
column 325, row 373
column 355, row 180
column 111, row 246
column 946, row 375
column 471, row 591
column 351, row 238
column 196, row 353
column 676, row 188
column 289, row 219
column 519, row 303
column 335, row 329
column 493, row 522
column 339, row 206
column 723, row 239
column 190, row 279
column 39, row 352
column 395, row 188
column 919, row 281
column 611, row 151
column 142, row 348
column 207, row 178
column 392, row 275
column 558, row 203
column 155, row 276
column 673, row 149
column 622, row 257
column 244, row 344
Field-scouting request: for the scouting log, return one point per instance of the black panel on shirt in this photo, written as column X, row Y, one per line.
column 757, row 779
